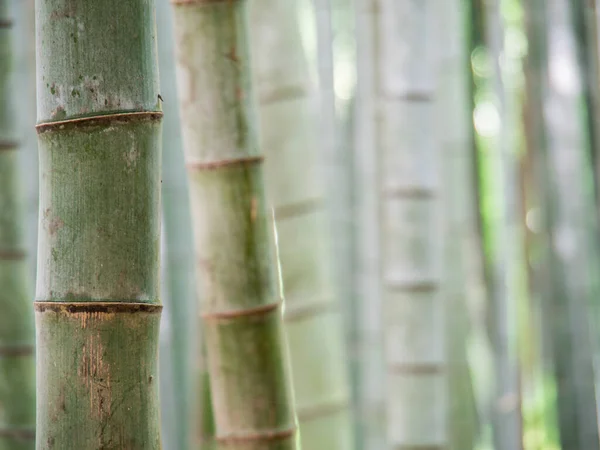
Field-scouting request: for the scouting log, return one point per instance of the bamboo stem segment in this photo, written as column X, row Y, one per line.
column 246, row 349
column 97, row 307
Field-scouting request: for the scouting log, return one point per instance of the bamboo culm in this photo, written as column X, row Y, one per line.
column 17, row 360
column 97, row 296
column 454, row 114
column 369, row 345
column 313, row 319
column 410, row 208
column 247, row 355
column 181, row 360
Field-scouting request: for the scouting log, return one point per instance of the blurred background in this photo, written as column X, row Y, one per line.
column 457, row 144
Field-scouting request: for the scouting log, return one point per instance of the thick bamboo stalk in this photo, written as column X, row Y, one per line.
column 17, row 363
column 455, row 123
column 313, row 318
column 246, row 347
column 180, row 294
column 97, row 298
column 371, row 377
column 411, row 250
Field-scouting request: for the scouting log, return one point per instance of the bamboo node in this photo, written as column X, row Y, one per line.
column 266, row 435
column 101, row 119
column 8, row 145
column 6, row 23
column 296, row 311
column 12, row 255
column 16, row 350
column 424, row 368
column 97, row 307
column 312, row 412
column 212, row 165
column 197, row 2
column 18, row 433
column 298, row 208
column 262, row 310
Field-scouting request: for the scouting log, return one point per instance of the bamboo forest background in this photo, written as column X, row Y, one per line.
column 432, row 181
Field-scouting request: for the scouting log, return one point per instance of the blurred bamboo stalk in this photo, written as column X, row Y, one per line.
column 506, row 250
column 454, row 130
column 369, row 339
column 411, row 229
column 179, row 336
column 562, row 160
column 293, row 168
column 17, row 355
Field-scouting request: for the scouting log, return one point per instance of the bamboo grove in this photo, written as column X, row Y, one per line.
column 299, row 224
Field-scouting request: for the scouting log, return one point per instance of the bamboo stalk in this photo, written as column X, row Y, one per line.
column 411, row 249
column 506, row 250
column 245, row 344
column 97, row 298
column 17, row 363
column 560, row 172
column 180, row 295
column 455, row 112
column 371, row 377
column 313, row 318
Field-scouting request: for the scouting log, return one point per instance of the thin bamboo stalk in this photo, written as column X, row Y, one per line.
column 180, row 295
column 455, row 123
column 313, row 318
column 506, row 251
column 17, row 362
column 97, row 298
column 369, row 339
column 246, row 348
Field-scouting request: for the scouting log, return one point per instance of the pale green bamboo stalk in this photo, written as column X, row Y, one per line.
column 369, row 343
column 289, row 134
column 568, row 202
column 246, row 348
column 455, row 122
column 17, row 363
column 180, row 296
column 411, row 248
column 97, row 298
column 506, row 251
column 24, row 15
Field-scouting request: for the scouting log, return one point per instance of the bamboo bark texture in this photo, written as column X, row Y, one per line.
column 411, row 247
column 312, row 316
column 97, row 297
column 247, row 353
column 17, row 361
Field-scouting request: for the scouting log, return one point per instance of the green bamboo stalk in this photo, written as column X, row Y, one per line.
column 585, row 26
column 97, row 298
column 411, row 248
column 24, row 17
column 455, row 144
column 505, row 250
column 313, row 318
column 17, row 363
column 180, row 296
column 561, row 176
column 246, row 348
column 371, row 378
